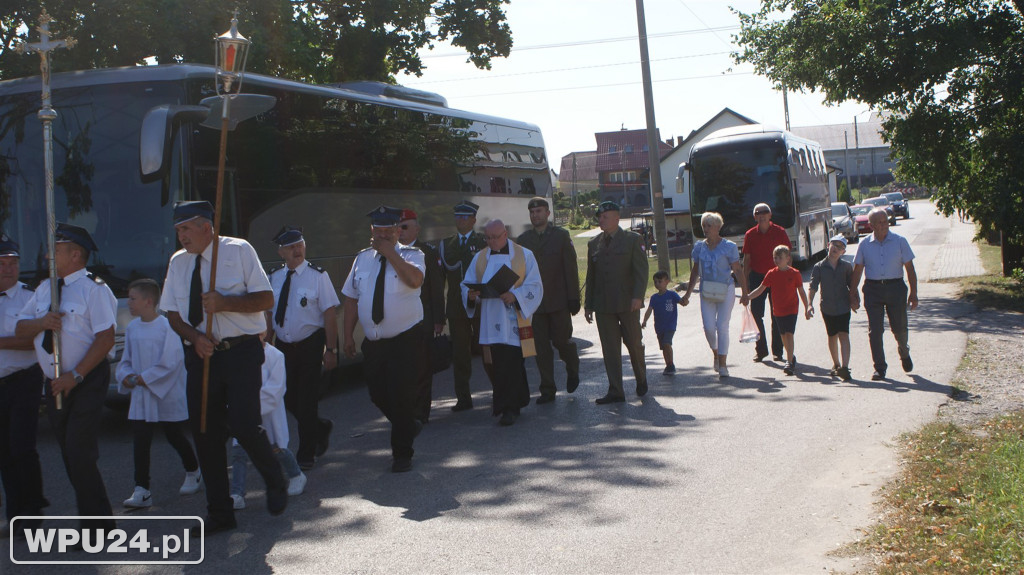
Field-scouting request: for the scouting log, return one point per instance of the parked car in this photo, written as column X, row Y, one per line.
column 860, row 217
column 899, row 204
column 843, row 223
column 883, row 202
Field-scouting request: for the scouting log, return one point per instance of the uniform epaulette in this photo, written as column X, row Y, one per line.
column 313, row 266
column 24, row 286
column 405, row 247
column 365, row 250
column 96, row 278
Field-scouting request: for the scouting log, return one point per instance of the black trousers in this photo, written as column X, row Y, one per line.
column 20, row 471
column 77, row 426
column 393, row 369
column 425, row 387
column 233, row 410
column 757, row 306
column 303, row 363
column 142, row 441
column 511, row 390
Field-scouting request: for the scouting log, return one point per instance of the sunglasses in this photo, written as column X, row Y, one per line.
column 404, row 226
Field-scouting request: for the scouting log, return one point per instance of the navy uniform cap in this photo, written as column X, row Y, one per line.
column 385, row 217
column 185, row 211
column 287, row 236
column 8, row 247
column 538, row 202
column 607, row 206
column 466, row 208
column 75, row 235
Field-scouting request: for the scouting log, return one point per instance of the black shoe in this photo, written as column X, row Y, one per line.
column 777, row 358
column 641, row 388
column 759, row 357
column 844, row 374
column 571, row 383
column 462, row 405
column 214, row 526
column 834, row 371
column 545, row 399
column 401, row 465
column 508, row 418
column 610, row 399
column 277, row 500
column 325, row 437
column 790, row 368
column 908, row 364
column 307, row 464
column 878, row 375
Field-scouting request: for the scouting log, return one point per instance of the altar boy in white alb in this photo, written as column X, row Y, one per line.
column 505, row 328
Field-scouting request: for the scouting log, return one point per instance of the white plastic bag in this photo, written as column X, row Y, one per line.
column 749, row 333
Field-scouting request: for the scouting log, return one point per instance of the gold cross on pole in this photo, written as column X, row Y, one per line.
column 43, row 48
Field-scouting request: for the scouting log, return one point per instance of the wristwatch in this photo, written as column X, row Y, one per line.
column 78, row 378
column 333, row 350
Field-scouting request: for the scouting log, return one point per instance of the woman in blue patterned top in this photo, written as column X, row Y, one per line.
column 716, row 259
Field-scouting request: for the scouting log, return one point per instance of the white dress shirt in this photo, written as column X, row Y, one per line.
column 275, row 419
column 239, row 272
column 310, row 294
column 402, row 306
column 89, row 307
column 12, row 302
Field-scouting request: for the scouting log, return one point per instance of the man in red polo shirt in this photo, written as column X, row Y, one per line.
column 758, row 243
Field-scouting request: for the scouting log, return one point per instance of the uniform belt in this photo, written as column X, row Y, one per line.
column 230, row 342
column 884, row 282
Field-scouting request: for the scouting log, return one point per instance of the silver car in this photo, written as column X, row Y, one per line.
column 843, row 222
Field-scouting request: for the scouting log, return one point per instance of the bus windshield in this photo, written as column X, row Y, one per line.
column 731, row 179
column 96, row 178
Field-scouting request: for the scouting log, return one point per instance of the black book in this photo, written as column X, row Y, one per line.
column 500, row 282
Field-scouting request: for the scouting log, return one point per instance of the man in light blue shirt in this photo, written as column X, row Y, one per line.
column 882, row 257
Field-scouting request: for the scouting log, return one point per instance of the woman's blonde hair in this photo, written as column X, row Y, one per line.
column 712, row 218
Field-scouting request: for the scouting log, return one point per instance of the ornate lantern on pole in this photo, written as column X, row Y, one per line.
column 231, row 52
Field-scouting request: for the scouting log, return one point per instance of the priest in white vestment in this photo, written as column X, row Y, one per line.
column 505, row 330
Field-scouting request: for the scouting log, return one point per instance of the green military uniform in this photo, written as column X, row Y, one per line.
column 456, row 255
column 552, row 322
column 432, row 297
column 616, row 275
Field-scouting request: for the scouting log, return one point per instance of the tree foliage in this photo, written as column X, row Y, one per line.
column 948, row 72
column 316, row 41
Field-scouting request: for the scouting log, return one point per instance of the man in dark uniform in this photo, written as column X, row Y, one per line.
column 455, row 253
column 21, row 382
column 305, row 326
column 234, row 350
column 552, row 322
column 88, row 314
column 616, row 285
column 382, row 293
column 432, row 297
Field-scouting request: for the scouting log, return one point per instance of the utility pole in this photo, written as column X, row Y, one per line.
column 653, row 149
column 785, row 105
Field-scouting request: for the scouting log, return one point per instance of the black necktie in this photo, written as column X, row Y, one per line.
column 195, row 295
column 282, row 300
column 377, row 312
column 48, row 336
column 462, row 241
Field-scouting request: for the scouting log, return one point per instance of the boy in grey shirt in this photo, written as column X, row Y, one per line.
column 834, row 275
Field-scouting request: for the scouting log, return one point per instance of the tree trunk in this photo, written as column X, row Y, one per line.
column 1013, row 256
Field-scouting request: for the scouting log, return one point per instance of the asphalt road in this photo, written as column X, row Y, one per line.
column 756, row 473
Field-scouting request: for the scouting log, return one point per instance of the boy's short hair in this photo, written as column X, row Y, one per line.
column 660, row 274
column 147, row 287
column 781, row 249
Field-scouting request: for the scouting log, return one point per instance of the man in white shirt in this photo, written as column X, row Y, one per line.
column 88, row 311
column 382, row 293
column 505, row 330
column 234, row 350
column 21, row 381
column 305, row 321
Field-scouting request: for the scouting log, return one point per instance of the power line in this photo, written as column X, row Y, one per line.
column 616, row 85
column 633, row 63
column 597, row 41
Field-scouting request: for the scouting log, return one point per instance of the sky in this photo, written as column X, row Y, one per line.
column 575, row 70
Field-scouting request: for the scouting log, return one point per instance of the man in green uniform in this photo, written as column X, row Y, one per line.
column 616, row 282
column 456, row 252
column 552, row 322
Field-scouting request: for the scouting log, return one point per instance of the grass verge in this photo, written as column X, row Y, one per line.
column 993, row 290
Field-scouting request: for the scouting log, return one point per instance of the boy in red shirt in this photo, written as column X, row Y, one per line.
column 785, row 283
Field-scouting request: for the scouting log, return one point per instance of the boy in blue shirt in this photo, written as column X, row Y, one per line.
column 663, row 306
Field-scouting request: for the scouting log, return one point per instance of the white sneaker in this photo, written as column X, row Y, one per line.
column 140, row 498
column 723, row 371
column 297, row 484
column 237, row 501
column 193, row 482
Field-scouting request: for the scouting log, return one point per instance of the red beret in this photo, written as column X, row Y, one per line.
column 408, row 215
